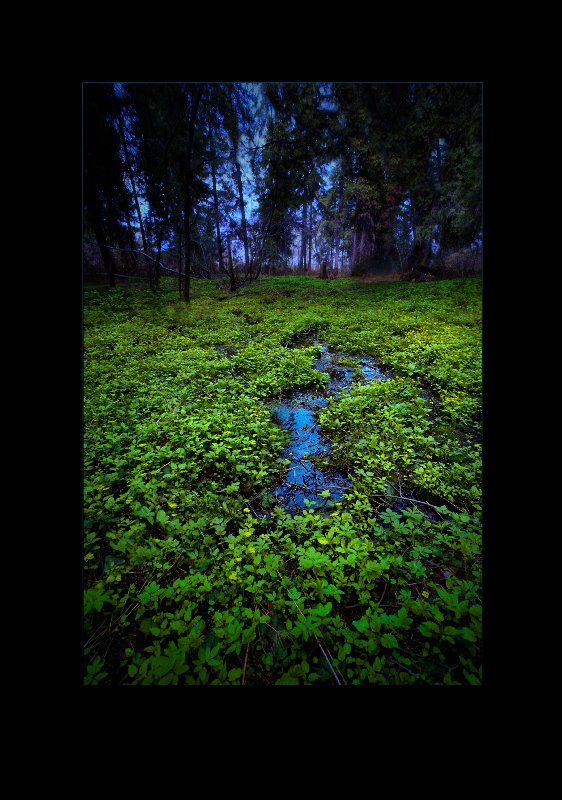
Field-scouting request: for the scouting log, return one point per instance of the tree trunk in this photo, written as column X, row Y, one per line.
column 131, row 257
column 108, row 261
column 310, row 219
column 302, row 259
column 165, row 220
column 355, row 245
column 216, row 201
column 238, row 175
column 363, row 244
column 231, row 273
column 188, row 197
column 439, row 165
column 373, row 251
column 187, row 226
column 336, row 236
column 356, row 236
column 443, row 235
column 179, row 260
column 129, row 169
column 421, row 253
column 97, row 227
column 159, row 240
column 158, row 254
column 341, row 222
column 258, row 259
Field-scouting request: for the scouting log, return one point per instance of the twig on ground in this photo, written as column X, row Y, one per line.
column 329, row 663
column 331, row 656
column 337, row 680
column 420, row 502
column 245, row 663
column 383, row 592
column 402, row 666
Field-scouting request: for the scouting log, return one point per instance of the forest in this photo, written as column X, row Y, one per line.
column 282, row 383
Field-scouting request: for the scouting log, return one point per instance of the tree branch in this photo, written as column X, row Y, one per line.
column 142, row 253
column 275, row 141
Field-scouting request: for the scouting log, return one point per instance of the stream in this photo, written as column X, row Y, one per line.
column 297, row 413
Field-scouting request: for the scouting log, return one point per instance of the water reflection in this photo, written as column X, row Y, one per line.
column 305, row 480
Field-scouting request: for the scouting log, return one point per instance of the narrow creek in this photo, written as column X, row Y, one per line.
column 297, row 412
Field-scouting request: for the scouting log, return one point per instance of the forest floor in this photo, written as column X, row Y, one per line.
column 197, row 568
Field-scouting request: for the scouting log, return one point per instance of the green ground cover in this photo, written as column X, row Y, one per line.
column 192, row 575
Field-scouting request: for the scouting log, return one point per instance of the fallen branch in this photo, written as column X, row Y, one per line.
column 245, row 662
column 331, row 656
column 413, row 500
column 328, row 662
column 405, row 668
column 141, row 252
column 337, row 680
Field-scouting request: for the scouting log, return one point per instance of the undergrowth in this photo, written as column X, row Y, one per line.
column 192, row 574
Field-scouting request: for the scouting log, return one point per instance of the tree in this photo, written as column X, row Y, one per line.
column 414, row 147
column 123, row 114
column 158, row 125
column 297, row 138
column 380, row 177
column 367, row 167
column 107, row 200
column 237, row 122
column 194, row 93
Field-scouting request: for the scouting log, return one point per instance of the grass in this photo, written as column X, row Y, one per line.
column 192, row 575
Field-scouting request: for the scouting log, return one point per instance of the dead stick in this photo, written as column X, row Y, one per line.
column 245, row 662
column 328, row 661
column 382, row 595
column 331, row 656
column 321, row 648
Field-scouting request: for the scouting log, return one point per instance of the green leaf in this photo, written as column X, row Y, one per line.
column 344, row 651
column 234, row 674
column 287, row 680
column 468, row 635
column 472, row 679
column 428, row 628
column 389, row 640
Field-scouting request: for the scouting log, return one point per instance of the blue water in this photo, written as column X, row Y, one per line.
column 304, row 480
